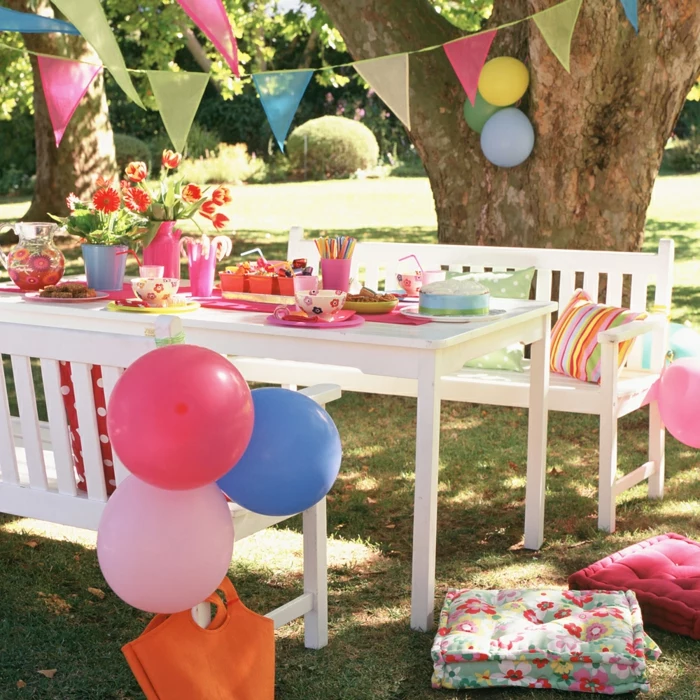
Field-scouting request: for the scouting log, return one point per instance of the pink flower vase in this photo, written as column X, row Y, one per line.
column 164, row 250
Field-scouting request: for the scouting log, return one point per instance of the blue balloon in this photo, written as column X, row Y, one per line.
column 683, row 341
column 507, row 138
column 293, row 457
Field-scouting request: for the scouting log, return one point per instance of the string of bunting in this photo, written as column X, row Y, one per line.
column 178, row 94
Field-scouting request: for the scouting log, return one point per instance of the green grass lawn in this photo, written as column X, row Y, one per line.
column 50, row 620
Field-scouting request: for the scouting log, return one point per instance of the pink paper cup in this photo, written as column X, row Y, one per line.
column 335, row 273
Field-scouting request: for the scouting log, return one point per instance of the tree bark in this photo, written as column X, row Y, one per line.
column 87, row 148
column 600, row 131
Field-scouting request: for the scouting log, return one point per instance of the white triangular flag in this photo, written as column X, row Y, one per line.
column 388, row 77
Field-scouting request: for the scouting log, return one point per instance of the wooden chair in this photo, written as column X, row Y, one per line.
column 37, row 478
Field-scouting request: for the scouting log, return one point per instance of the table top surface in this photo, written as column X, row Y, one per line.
column 95, row 315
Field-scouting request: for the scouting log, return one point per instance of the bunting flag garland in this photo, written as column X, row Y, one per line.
column 178, row 96
column 210, row 16
column 467, row 57
column 65, row 84
column 90, row 20
column 280, row 94
column 388, row 77
column 28, row 23
column 630, row 8
column 557, row 27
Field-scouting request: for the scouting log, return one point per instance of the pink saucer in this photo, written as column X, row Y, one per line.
column 352, row 322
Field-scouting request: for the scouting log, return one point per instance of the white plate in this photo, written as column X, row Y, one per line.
column 34, row 296
column 413, row 312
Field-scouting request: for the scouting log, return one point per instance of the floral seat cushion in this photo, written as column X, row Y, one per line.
column 663, row 572
column 591, row 641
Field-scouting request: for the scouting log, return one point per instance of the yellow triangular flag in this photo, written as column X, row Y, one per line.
column 557, row 27
column 178, row 96
column 388, row 77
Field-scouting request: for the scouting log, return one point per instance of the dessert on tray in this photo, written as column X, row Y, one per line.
column 67, row 290
column 454, row 298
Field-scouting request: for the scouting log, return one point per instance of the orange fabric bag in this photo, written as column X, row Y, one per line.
column 232, row 659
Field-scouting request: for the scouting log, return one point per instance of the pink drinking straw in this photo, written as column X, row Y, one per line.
column 408, row 257
column 131, row 252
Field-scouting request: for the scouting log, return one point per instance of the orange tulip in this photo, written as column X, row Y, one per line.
column 171, row 159
column 219, row 221
column 191, row 194
column 103, row 182
column 221, row 195
column 136, row 172
column 208, row 209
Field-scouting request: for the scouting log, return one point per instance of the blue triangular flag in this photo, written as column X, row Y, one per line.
column 29, row 23
column 280, row 94
column 630, row 7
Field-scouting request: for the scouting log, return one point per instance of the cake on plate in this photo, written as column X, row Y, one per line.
column 454, row 298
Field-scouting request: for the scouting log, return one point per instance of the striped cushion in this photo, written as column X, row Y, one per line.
column 575, row 347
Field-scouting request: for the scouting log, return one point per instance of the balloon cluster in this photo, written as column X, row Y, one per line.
column 182, row 418
column 678, row 394
column 507, row 136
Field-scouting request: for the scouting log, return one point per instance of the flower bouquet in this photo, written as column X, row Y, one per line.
column 166, row 202
column 109, row 226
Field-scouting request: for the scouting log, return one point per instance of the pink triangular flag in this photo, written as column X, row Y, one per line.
column 467, row 57
column 210, row 16
column 65, row 84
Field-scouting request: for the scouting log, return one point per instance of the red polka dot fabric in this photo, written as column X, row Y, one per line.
column 74, row 427
column 663, row 572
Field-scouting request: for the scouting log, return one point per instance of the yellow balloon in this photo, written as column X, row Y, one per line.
column 503, row 81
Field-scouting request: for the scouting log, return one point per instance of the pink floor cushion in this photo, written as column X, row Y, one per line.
column 663, row 572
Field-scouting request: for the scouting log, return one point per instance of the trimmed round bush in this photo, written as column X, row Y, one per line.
column 337, row 147
column 129, row 149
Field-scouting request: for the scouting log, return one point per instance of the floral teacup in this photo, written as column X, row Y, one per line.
column 412, row 284
column 155, row 291
column 324, row 303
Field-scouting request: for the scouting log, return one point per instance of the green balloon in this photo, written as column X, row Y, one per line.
column 480, row 113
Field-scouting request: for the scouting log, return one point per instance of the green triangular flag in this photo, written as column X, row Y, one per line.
column 178, row 96
column 557, row 27
column 90, row 20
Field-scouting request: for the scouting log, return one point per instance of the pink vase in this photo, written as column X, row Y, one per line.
column 164, row 250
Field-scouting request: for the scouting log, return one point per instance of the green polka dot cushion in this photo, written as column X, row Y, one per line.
column 504, row 285
column 510, row 358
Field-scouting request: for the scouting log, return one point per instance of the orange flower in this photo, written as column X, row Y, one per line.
column 208, row 209
column 102, row 182
column 106, row 200
column 171, row 159
column 219, row 221
column 221, row 195
column 191, row 194
column 136, row 199
column 136, row 172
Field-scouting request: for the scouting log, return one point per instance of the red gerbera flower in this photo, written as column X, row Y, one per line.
column 106, row 200
column 136, row 199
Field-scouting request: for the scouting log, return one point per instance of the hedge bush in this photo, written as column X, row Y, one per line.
column 337, row 147
column 683, row 156
column 128, row 149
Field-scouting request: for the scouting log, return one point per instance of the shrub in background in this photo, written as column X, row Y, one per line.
column 336, row 147
column 232, row 165
column 683, row 156
column 128, row 149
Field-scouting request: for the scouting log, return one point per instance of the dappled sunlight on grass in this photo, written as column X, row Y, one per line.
column 41, row 528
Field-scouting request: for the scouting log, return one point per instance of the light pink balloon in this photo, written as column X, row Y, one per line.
column 164, row 551
column 679, row 400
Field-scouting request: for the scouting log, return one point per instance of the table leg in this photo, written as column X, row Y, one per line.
column 425, row 498
column 537, row 439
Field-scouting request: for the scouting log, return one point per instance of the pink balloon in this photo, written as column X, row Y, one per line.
column 164, row 551
column 180, row 417
column 679, row 400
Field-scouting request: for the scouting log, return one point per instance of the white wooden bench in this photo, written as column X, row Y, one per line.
column 37, row 478
column 619, row 393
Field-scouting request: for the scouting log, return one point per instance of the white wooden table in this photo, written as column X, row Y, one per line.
column 423, row 353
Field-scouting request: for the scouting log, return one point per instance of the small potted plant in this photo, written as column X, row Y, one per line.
column 168, row 202
column 109, row 225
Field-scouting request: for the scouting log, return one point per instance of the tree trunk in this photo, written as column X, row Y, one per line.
column 87, row 148
column 600, row 132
